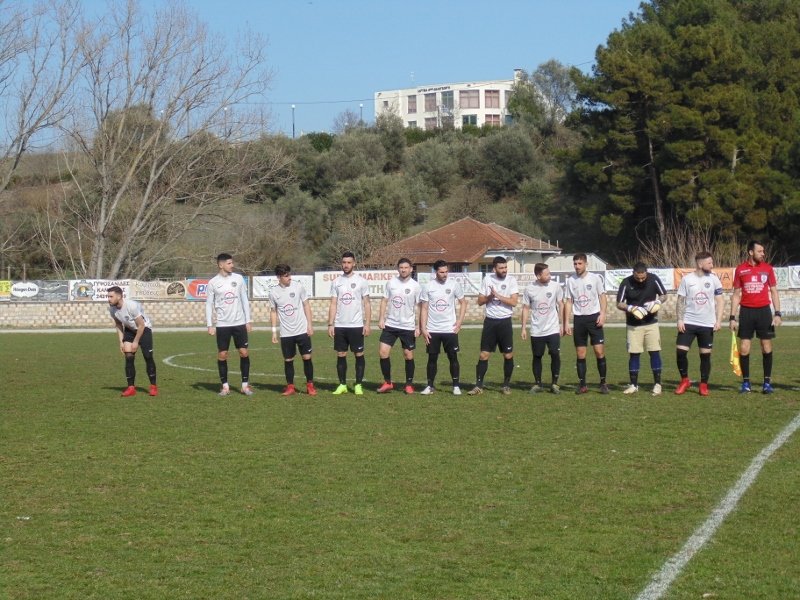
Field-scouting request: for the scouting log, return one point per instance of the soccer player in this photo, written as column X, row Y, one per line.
column 543, row 303
column 291, row 307
column 700, row 306
column 228, row 316
column 585, row 300
column 440, row 324
column 754, row 285
column 349, row 315
column 499, row 295
column 135, row 330
column 640, row 296
column 398, row 320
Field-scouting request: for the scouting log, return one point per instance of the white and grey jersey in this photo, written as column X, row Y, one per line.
column 349, row 293
column 128, row 313
column 700, row 293
column 402, row 298
column 543, row 301
column 585, row 293
column 287, row 302
column 507, row 286
column 441, row 299
column 226, row 298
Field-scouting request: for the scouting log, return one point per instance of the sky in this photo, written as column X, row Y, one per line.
column 328, row 56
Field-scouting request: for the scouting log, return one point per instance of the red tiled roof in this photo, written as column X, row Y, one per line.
column 464, row 241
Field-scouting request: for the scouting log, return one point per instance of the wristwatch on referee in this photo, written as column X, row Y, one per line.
column 732, row 318
column 778, row 314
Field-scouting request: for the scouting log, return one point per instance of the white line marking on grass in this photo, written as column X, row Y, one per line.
column 661, row 582
column 170, row 361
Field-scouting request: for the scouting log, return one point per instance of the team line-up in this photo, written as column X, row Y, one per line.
column 435, row 313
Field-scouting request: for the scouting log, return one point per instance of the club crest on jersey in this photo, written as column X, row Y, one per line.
column 706, row 285
column 589, row 286
column 549, row 294
column 447, row 291
column 352, row 286
column 291, row 295
column 503, row 287
column 763, row 278
column 408, row 291
column 233, row 284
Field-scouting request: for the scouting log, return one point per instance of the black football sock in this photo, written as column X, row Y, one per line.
column 580, row 364
column 744, row 362
column 766, row 359
column 480, row 372
column 361, row 366
column 508, row 370
column 386, row 369
column 602, row 368
column 222, row 367
column 705, row 367
column 432, row 367
column 455, row 368
column 537, row 369
column 130, row 367
column 244, row 367
column 682, row 357
column 341, row 369
column 555, row 365
column 288, row 370
column 150, row 364
column 308, row 370
column 410, row 367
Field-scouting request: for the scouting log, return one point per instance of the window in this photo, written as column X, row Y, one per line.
column 412, row 124
column 448, row 122
column 385, row 104
column 430, row 102
column 469, row 99
column 469, row 120
column 430, row 123
column 412, row 103
column 493, row 120
column 447, row 100
column 492, row 98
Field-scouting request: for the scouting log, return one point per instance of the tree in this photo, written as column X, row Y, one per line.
column 554, row 82
column 347, row 121
column 167, row 140
column 692, row 112
column 390, row 130
column 507, row 159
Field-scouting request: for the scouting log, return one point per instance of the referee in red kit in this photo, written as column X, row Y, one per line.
column 754, row 285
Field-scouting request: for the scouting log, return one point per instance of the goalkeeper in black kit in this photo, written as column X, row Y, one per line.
column 640, row 295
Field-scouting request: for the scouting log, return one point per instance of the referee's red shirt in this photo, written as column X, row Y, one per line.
column 754, row 281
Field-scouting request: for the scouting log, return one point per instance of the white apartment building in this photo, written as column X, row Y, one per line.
column 449, row 104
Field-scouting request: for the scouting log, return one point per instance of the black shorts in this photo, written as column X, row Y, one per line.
column 390, row 335
column 449, row 341
column 497, row 333
column 584, row 329
column 300, row 342
column 704, row 335
column 552, row 343
column 755, row 320
column 345, row 338
column 237, row 332
column 145, row 342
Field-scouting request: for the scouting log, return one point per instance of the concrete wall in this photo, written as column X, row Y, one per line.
column 172, row 313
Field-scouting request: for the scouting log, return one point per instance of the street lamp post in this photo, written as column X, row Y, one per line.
column 292, row 121
column 361, row 114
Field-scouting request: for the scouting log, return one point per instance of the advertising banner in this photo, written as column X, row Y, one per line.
column 196, row 287
column 794, row 277
column 262, row 284
column 614, row 278
column 157, row 290
column 782, row 275
column 376, row 280
column 94, row 290
column 37, row 290
column 5, row 290
column 471, row 282
column 725, row 276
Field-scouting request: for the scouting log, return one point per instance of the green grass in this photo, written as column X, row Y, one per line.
column 193, row 496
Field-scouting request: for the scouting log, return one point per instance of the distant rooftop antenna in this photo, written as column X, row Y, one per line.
column 412, row 76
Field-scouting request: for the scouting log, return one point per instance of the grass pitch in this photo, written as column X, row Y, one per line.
column 189, row 495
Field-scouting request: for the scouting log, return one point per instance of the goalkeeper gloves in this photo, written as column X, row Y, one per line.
column 638, row 311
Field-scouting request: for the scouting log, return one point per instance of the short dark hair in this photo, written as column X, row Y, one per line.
column 538, row 268
column 116, row 289
column 640, row 267
column 580, row 256
column 702, row 255
column 499, row 260
column 223, row 257
column 348, row 254
column 281, row 270
column 439, row 264
column 751, row 245
column 405, row 260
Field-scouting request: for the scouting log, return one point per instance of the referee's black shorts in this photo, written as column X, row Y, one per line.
column 755, row 320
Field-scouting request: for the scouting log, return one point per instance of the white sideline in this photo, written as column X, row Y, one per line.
column 661, row 581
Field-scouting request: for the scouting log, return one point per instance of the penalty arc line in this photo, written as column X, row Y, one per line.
column 170, row 361
column 662, row 580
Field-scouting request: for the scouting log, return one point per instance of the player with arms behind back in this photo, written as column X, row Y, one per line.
column 543, row 301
